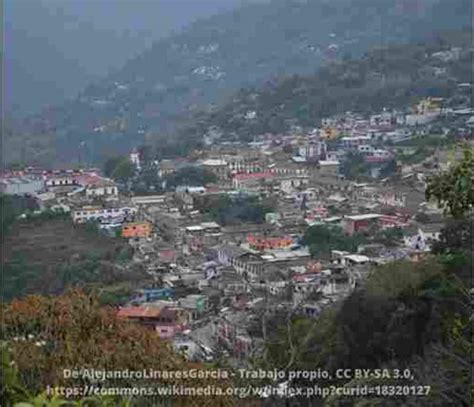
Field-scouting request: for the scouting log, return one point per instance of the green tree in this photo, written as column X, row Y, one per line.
column 321, row 239
column 191, row 176
column 354, row 166
column 119, row 168
column 453, row 189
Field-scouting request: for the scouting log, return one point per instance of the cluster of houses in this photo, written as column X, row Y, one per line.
column 213, row 282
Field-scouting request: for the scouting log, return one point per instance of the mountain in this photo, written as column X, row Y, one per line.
column 53, row 49
column 394, row 77
column 204, row 64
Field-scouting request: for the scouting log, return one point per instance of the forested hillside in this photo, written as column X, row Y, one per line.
column 391, row 77
column 208, row 61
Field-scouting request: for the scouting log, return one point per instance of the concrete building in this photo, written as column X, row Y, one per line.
column 21, row 185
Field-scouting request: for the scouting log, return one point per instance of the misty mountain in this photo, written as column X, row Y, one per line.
column 54, row 48
column 202, row 65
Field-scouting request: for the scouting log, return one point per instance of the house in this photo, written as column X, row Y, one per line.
column 312, row 150
column 60, row 180
column 21, row 185
column 243, row 165
column 353, row 143
column 232, row 334
column 373, row 154
column 384, row 120
column 166, row 320
column 249, row 265
column 149, row 200
column 240, row 181
column 196, row 304
column 289, row 184
column 167, row 167
column 328, row 168
column 153, row 294
column 137, row 229
column 218, row 167
column 96, row 185
column 355, row 259
column 135, row 159
column 95, row 213
column 260, row 243
column 226, row 254
column 206, row 233
column 359, row 223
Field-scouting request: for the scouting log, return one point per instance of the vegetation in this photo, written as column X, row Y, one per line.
column 391, row 77
column 232, row 211
column 12, row 207
column 321, row 239
column 45, row 335
column 454, row 189
column 190, row 176
column 214, row 58
column 390, row 236
column 354, row 166
column 54, row 250
column 119, row 168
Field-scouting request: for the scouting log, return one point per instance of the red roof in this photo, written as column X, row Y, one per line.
column 92, row 180
column 254, row 175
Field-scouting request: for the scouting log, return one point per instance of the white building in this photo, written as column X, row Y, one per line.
column 91, row 213
column 60, row 181
column 312, row 150
column 106, row 189
column 352, row 143
column 135, row 159
column 21, row 185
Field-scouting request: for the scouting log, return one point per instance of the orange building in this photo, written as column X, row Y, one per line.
column 136, row 229
column 263, row 243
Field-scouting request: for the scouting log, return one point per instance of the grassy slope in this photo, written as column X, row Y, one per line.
column 46, row 256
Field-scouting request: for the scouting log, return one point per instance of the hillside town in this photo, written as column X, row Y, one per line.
column 217, row 277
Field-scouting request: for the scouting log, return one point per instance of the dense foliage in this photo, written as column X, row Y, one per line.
column 119, row 168
column 321, row 239
column 454, row 189
column 390, row 77
column 232, row 211
column 45, row 335
column 190, row 176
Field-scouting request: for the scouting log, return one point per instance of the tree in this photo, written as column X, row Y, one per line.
column 453, row 189
column 321, row 239
column 124, row 170
column 46, row 335
column 354, row 166
column 389, row 169
column 119, row 168
column 191, row 176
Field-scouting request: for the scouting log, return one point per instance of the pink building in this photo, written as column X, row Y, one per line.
column 166, row 320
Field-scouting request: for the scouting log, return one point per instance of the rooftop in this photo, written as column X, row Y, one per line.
column 367, row 216
column 357, row 258
column 214, row 162
column 255, row 175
